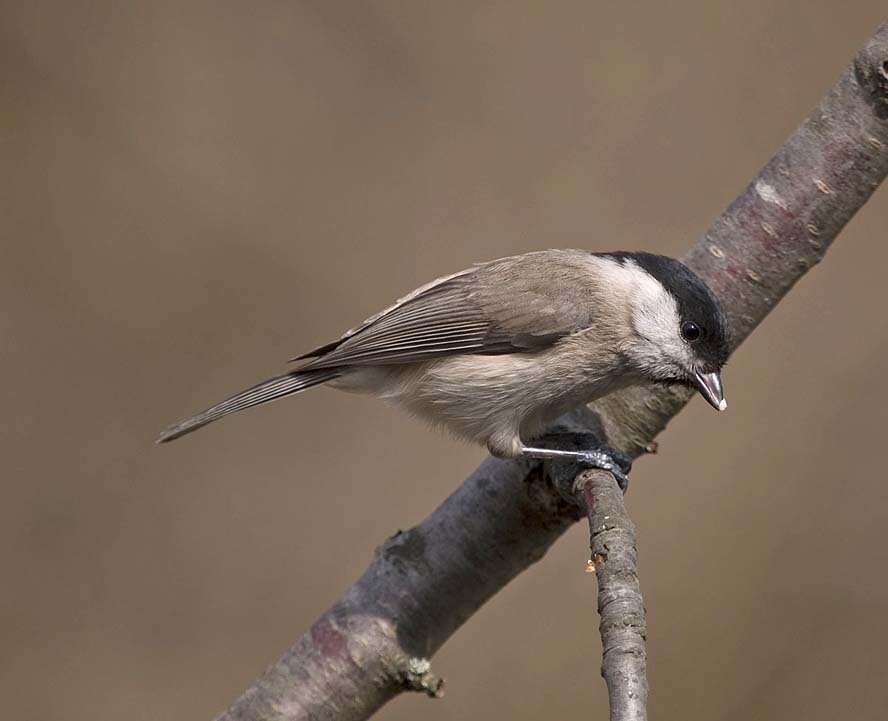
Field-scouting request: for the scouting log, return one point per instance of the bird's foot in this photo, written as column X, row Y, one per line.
column 608, row 460
column 568, row 450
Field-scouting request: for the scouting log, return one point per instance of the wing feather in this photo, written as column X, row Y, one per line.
column 504, row 306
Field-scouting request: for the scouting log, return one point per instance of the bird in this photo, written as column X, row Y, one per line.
column 496, row 352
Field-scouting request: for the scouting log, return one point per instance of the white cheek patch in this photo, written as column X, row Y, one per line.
column 656, row 319
column 656, row 311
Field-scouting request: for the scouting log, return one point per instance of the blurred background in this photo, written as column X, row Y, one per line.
column 196, row 191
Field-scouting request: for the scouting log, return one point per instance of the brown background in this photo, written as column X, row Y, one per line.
column 193, row 192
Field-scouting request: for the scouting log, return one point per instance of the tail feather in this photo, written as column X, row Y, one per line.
column 263, row 392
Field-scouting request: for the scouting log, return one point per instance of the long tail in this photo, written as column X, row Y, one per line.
column 269, row 390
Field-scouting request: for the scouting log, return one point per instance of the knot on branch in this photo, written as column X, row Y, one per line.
column 871, row 72
column 417, row 676
column 405, row 551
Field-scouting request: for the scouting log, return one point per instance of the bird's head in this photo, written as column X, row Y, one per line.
column 678, row 330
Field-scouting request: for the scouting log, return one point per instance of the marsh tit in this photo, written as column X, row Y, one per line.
column 496, row 352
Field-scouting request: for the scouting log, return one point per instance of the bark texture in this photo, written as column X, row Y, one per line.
column 425, row 582
column 620, row 604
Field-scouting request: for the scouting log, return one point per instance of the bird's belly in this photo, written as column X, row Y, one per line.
column 492, row 400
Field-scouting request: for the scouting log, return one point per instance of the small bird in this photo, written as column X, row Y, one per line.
column 496, row 352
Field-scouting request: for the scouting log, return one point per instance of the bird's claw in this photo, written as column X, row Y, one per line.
column 606, row 462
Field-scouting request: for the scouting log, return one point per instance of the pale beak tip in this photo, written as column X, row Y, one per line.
column 710, row 387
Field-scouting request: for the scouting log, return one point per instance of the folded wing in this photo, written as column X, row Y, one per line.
column 512, row 305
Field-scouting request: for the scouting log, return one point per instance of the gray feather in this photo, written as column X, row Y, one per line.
column 268, row 390
column 511, row 305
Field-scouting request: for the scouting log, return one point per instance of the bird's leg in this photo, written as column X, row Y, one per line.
column 591, row 458
column 605, row 458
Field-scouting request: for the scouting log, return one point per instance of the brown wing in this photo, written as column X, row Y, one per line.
column 511, row 305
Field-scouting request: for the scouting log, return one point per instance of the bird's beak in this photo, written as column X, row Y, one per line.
column 710, row 387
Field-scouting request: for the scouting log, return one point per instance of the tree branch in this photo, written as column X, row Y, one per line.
column 620, row 605
column 424, row 583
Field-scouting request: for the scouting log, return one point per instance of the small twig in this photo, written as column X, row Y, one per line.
column 620, row 604
column 418, row 676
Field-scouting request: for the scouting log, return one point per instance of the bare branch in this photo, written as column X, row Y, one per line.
column 620, row 604
column 424, row 583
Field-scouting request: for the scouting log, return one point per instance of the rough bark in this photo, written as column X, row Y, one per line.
column 424, row 583
column 620, row 604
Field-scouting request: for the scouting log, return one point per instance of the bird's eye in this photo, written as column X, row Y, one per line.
column 690, row 331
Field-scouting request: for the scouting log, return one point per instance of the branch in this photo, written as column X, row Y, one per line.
column 376, row 640
column 620, row 605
